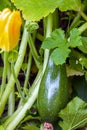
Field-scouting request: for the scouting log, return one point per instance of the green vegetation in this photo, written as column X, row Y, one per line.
column 52, row 44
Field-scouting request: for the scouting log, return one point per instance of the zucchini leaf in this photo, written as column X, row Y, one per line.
column 59, row 55
column 61, row 44
column 34, row 10
column 75, row 38
column 83, row 47
column 74, row 115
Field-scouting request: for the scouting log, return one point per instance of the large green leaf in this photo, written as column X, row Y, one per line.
column 74, row 115
column 34, row 10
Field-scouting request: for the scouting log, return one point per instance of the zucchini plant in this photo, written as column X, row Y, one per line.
column 43, row 64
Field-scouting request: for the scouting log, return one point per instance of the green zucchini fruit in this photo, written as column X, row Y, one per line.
column 53, row 92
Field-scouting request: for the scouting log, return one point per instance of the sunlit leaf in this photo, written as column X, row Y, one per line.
column 59, row 55
column 34, row 10
column 56, row 39
column 75, row 38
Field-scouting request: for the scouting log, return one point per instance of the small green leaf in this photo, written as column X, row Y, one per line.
column 75, row 38
column 56, row 39
column 59, row 55
column 74, row 115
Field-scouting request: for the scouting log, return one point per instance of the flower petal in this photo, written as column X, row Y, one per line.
column 14, row 28
column 10, row 24
column 3, row 20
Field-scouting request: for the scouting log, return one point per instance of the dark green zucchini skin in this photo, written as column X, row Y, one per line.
column 53, row 92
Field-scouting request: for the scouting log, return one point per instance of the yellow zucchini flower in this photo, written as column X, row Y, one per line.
column 10, row 25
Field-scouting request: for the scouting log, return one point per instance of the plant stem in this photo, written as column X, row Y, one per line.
column 11, row 100
column 55, row 19
column 83, row 15
column 17, row 82
column 42, row 127
column 11, row 103
column 75, row 22
column 12, row 117
column 4, row 73
column 33, row 91
column 48, row 29
column 35, row 55
column 28, row 71
column 83, row 27
column 39, row 37
column 17, row 68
